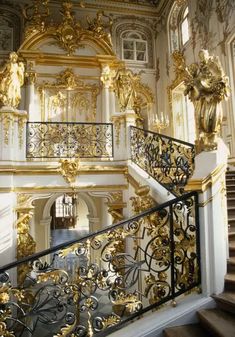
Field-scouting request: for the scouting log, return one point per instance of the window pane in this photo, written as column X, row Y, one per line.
column 128, row 44
column 185, row 12
column 140, row 56
column 134, row 36
column 185, row 31
column 128, row 55
column 140, row 46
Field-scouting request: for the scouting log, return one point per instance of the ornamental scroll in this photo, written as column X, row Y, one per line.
column 68, row 99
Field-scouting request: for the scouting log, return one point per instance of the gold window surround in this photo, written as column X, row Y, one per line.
column 69, row 97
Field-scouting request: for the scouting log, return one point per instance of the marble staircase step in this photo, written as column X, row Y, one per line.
column 226, row 301
column 230, row 281
column 231, row 247
column 190, row 330
column 218, row 322
column 231, row 264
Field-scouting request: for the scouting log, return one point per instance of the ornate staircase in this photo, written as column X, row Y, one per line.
column 220, row 321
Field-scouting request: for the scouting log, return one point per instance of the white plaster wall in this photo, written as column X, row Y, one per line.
column 215, row 38
column 7, row 228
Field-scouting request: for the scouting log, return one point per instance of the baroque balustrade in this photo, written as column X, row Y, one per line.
column 94, row 285
column 168, row 160
column 69, row 140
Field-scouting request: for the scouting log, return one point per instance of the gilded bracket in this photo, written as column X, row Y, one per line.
column 69, row 169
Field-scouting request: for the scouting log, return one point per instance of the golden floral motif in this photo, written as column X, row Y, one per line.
column 7, row 122
column 66, row 330
column 143, row 201
column 21, row 123
column 4, row 331
column 57, row 276
column 110, row 321
column 25, row 243
column 71, row 249
column 69, row 169
column 130, row 301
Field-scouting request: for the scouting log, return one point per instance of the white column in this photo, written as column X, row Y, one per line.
column 112, row 102
column 29, row 102
column 105, row 105
column 47, row 231
column 210, row 168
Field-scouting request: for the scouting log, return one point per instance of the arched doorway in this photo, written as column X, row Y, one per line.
column 69, row 219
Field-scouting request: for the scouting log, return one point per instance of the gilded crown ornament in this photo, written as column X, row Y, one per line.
column 206, row 86
column 69, row 32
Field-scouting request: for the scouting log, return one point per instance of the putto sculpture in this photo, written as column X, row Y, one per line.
column 206, row 86
column 11, row 80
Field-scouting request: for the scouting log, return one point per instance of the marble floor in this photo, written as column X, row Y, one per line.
column 59, row 236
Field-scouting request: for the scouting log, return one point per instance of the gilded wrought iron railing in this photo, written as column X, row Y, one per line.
column 69, row 140
column 96, row 284
column 168, row 160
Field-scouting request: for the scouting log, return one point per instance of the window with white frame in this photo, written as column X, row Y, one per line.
column 184, row 27
column 134, row 47
column 178, row 26
column 64, row 207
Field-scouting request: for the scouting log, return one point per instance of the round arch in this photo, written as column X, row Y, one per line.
column 37, row 39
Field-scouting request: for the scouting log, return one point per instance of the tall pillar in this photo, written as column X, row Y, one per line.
column 30, row 82
column 107, row 76
column 209, row 179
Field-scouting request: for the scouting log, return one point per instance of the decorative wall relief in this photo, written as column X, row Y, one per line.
column 69, row 169
column 128, row 88
column 143, row 201
column 224, row 10
column 201, row 22
column 10, row 27
column 25, row 243
column 6, row 38
column 68, row 99
column 35, row 16
column 69, row 32
column 101, row 26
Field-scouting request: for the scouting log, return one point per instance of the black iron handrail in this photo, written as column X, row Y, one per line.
column 168, row 160
column 162, row 259
column 69, row 140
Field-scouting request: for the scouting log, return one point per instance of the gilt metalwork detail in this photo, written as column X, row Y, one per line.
column 169, row 161
column 69, row 140
column 143, row 262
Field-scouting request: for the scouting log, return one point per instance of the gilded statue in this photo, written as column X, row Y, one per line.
column 125, row 88
column 206, row 86
column 11, row 79
column 99, row 27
